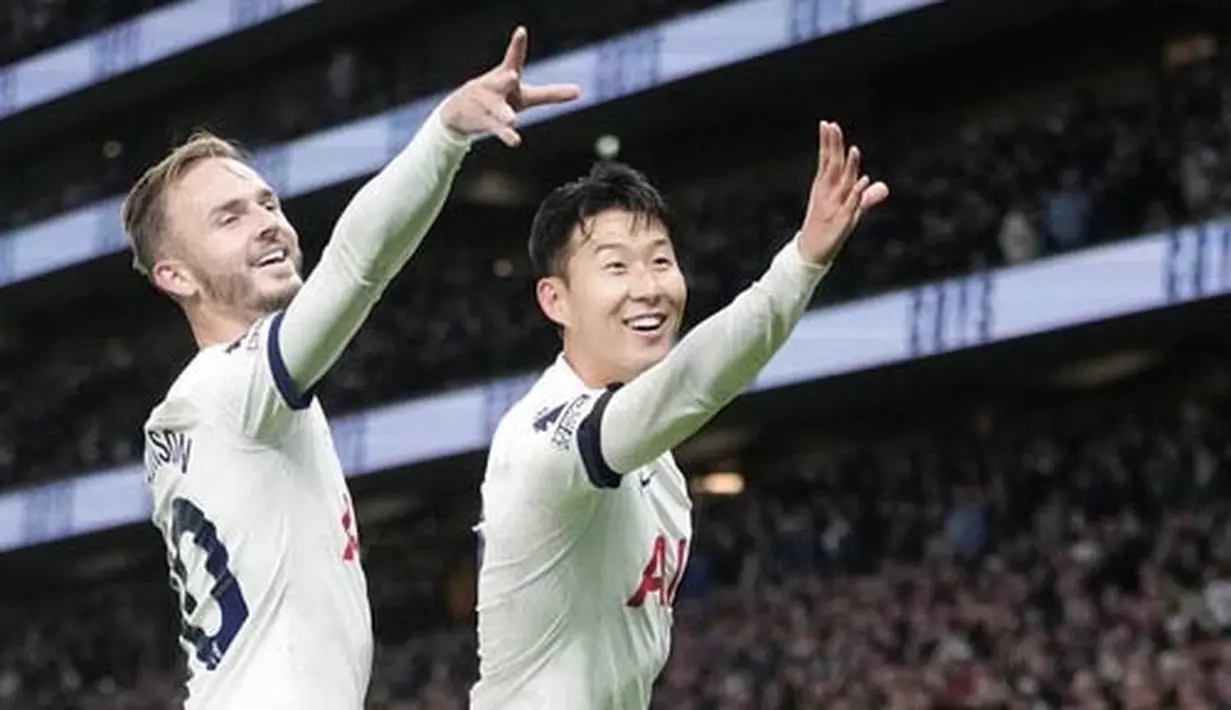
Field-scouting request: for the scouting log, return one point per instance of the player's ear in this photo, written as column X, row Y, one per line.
column 172, row 277
column 550, row 291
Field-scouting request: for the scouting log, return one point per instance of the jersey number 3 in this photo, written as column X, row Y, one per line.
column 187, row 519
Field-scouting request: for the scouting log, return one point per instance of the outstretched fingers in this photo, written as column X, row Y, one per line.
column 831, row 154
column 515, row 54
column 849, row 175
column 854, row 196
column 549, row 94
column 498, row 118
column 869, row 197
column 876, row 193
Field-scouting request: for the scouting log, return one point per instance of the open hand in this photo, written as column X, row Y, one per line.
column 489, row 103
column 839, row 197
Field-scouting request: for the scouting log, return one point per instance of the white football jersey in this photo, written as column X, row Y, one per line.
column 579, row 565
column 261, row 537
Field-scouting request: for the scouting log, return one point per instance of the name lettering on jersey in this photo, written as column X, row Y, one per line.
column 166, row 447
column 568, row 419
column 661, row 575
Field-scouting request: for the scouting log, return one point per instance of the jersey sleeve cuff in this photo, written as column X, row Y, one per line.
column 590, row 446
column 442, row 133
column 791, row 259
column 789, row 276
column 281, row 375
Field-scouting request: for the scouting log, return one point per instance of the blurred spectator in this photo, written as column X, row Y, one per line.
column 1018, row 239
column 1068, row 212
column 966, row 525
column 1197, row 179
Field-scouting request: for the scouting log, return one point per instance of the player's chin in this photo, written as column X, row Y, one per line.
column 277, row 295
column 644, row 353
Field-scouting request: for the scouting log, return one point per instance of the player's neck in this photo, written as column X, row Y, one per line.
column 589, row 370
column 213, row 327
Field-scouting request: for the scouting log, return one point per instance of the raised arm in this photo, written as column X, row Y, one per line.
column 388, row 218
column 634, row 424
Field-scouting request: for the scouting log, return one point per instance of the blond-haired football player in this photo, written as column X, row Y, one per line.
column 247, row 489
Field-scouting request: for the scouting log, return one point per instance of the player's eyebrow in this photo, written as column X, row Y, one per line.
column 611, row 245
column 600, row 247
column 236, row 204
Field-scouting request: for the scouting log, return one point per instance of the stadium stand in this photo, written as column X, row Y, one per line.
column 1108, row 162
column 1063, row 549
column 30, row 26
column 300, row 90
column 1072, row 552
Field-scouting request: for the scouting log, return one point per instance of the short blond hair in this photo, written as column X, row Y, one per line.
column 145, row 208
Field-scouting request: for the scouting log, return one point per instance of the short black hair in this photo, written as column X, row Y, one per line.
column 610, row 185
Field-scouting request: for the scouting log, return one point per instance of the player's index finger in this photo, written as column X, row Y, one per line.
column 549, row 94
column 515, row 55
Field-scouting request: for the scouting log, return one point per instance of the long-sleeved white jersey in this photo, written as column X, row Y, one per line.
column 247, row 489
column 587, row 520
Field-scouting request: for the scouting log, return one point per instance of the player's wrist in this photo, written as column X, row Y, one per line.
column 790, row 276
column 440, row 124
column 796, row 255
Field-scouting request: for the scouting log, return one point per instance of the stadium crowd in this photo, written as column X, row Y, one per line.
column 1070, row 554
column 358, row 72
column 1004, row 187
column 1077, row 555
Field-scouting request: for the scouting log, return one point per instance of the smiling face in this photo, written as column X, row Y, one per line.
column 230, row 247
column 620, row 299
column 209, row 232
